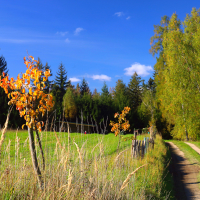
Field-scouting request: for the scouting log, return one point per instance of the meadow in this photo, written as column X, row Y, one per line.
column 84, row 166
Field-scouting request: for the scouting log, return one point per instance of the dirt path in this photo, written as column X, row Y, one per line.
column 194, row 147
column 184, row 175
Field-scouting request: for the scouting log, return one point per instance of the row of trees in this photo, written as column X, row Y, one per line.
column 177, row 47
column 79, row 104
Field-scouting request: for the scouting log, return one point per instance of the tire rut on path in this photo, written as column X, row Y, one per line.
column 184, row 174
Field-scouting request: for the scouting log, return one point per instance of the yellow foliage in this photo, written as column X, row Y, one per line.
column 121, row 117
column 24, row 101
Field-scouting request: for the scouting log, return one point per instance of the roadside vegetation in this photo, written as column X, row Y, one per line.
column 92, row 169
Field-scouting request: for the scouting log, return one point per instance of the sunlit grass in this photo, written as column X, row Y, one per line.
column 91, row 170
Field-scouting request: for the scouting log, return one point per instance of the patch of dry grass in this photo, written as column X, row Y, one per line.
column 91, row 170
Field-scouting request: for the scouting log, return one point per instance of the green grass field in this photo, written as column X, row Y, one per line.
column 91, row 170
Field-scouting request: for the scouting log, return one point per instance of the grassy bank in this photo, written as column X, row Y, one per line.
column 89, row 167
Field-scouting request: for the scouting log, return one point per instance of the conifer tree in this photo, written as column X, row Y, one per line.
column 3, row 66
column 104, row 90
column 135, row 90
column 3, row 96
column 59, row 88
column 134, row 95
column 84, row 88
column 120, row 96
column 106, row 105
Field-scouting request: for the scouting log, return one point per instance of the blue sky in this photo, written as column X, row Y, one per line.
column 96, row 40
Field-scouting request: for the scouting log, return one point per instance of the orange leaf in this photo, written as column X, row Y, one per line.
column 23, row 126
column 30, row 91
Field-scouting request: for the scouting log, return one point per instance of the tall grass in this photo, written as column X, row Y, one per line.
column 90, row 169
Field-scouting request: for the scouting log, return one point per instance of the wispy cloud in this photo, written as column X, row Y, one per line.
column 74, row 79
column 67, row 40
column 128, row 18
column 78, row 30
column 19, row 41
column 29, row 41
column 62, row 33
column 142, row 70
column 101, row 77
column 119, row 14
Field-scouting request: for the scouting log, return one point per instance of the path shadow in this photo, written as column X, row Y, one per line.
column 182, row 192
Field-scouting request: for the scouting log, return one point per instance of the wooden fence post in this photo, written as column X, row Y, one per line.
column 145, row 146
column 142, row 149
column 139, row 148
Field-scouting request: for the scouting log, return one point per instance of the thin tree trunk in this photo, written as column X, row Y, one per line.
column 186, row 133
column 68, row 138
column 4, row 130
column 118, row 144
column 40, row 145
column 47, row 122
column 52, row 124
column 34, row 156
column 152, row 127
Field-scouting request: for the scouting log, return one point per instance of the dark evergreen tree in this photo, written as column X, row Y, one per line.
column 59, row 89
column 40, row 65
column 3, row 65
column 61, row 79
column 104, row 90
column 120, row 96
column 134, row 96
column 135, row 90
column 84, row 88
column 3, row 96
column 106, row 105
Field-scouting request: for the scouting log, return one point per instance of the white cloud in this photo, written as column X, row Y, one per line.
column 142, row 70
column 128, row 18
column 67, row 40
column 78, row 30
column 75, row 79
column 101, row 77
column 119, row 14
column 62, row 33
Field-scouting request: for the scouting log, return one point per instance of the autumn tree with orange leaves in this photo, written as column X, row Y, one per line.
column 123, row 123
column 116, row 127
column 30, row 100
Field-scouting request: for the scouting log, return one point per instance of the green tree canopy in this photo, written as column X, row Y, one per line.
column 177, row 75
column 69, row 105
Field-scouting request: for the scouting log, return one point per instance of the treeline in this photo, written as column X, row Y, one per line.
column 79, row 104
column 177, row 47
